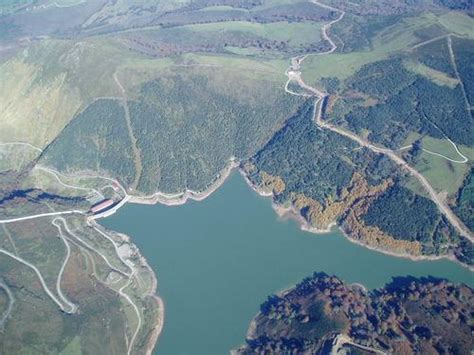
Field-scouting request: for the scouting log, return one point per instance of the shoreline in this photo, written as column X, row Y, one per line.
column 281, row 211
column 182, row 197
column 449, row 257
column 291, row 213
column 168, row 200
column 287, row 212
column 152, row 292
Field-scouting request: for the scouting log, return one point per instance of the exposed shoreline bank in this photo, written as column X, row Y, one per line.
column 152, row 292
column 281, row 211
column 168, row 200
column 291, row 213
column 182, row 197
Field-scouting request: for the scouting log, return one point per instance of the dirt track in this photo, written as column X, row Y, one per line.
column 294, row 74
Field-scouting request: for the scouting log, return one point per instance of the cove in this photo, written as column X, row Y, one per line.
column 217, row 260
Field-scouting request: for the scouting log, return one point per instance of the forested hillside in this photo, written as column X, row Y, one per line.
column 324, row 178
column 323, row 314
column 355, row 114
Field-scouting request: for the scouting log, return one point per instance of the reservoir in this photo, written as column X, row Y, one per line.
column 217, row 260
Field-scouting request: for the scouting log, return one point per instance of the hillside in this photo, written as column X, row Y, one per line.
column 322, row 314
column 355, row 114
column 390, row 96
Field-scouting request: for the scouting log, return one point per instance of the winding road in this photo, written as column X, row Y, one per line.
column 48, row 214
column 137, row 311
column 24, row 144
column 130, row 276
column 72, row 305
column 464, row 159
column 40, row 277
column 57, row 176
column 90, row 247
column 294, row 74
column 11, row 301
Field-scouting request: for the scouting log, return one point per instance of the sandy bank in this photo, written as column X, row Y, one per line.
column 292, row 213
column 183, row 197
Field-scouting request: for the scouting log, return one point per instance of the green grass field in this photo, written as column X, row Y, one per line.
column 442, row 146
column 400, row 36
column 296, row 34
column 197, row 95
column 441, row 173
column 435, row 76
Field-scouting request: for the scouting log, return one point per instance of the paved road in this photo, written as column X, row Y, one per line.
column 25, row 218
column 294, row 74
column 40, row 277
column 72, row 305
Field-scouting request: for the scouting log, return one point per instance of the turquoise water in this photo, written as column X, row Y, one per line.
column 217, row 261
